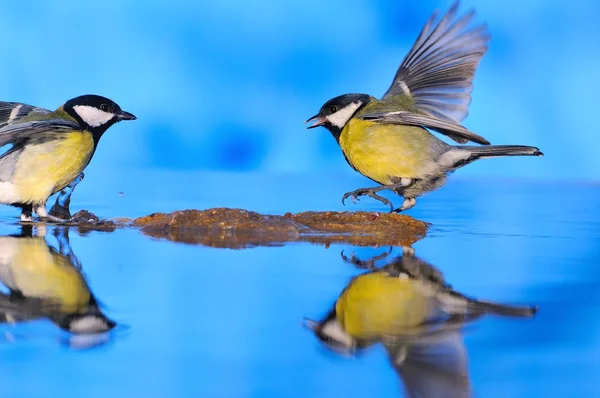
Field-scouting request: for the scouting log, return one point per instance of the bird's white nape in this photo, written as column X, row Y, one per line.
column 94, row 117
column 341, row 117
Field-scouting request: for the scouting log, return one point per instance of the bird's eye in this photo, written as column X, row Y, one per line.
column 333, row 109
column 104, row 107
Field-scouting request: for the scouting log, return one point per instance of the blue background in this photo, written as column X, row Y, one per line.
column 221, row 90
column 228, row 84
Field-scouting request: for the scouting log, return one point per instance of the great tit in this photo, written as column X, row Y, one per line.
column 47, row 150
column 408, row 298
column 408, row 307
column 388, row 140
column 47, row 283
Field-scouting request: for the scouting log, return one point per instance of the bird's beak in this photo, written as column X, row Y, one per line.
column 126, row 116
column 319, row 121
column 310, row 324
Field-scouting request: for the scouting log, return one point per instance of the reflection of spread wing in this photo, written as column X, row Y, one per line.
column 15, row 308
column 13, row 112
column 21, row 132
column 433, row 368
column 437, row 73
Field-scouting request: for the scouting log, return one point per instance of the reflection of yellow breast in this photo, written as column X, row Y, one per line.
column 44, row 169
column 377, row 304
column 41, row 273
column 381, row 151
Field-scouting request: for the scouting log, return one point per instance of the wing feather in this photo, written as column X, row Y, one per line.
column 13, row 112
column 437, row 73
column 21, row 132
column 453, row 130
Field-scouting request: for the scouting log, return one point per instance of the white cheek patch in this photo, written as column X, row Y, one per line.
column 341, row 117
column 334, row 330
column 94, row 117
column 89, row 324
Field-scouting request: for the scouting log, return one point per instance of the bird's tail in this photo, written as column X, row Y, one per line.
column 461, row 155
column 478, row 306
column 492, row 151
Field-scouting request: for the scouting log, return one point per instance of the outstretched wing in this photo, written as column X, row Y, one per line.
column 21, row 132
column 453, row 130
column 437, row 73
column 13, row 112
column 434, row 367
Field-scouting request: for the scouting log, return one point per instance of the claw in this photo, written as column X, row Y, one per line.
column 344, row 199
column 354, row 195
column 365, row 264
column 345, row 258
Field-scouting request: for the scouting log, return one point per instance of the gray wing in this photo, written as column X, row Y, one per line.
column 24, row 132
column 18, row 309
column 13, row 112
column 453, row 130
column 437, row 73
column 435, row 367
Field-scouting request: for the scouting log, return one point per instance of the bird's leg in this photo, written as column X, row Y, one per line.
column 64, row 246
column 61, row 206
column 43, row 213
column 409, row 203
column 367, row 191
column 26, row 215
column 372, row 192
column 365, row 264
column 408, row 251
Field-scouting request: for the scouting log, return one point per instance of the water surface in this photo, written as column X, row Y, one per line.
column 200, row 321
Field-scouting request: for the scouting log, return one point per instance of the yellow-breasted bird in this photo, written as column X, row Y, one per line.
column 408, row 298
column 44, row 282
column 388, row 140
column 49, row 149
column 409, row 309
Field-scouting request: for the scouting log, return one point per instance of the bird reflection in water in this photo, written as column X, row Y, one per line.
column 42, row 282
column 408, row 307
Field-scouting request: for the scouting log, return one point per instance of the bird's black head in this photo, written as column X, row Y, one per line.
column 336, row 112
column 95, row 113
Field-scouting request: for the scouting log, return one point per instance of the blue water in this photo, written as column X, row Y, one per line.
column 200, row 321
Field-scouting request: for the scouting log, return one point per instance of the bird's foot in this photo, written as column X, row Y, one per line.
column 365, row 264
column 409, row 203
column 43, row 214
column 61, row 206
column 368, row 192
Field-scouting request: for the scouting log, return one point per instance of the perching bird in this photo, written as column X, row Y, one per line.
column 388, row 140
column 48, row 150
column 47, row 283
column 407, row 299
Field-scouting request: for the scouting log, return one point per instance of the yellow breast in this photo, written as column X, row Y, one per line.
column 377, row 304
column 383, row 151
column 44, row 169
column 39, row 272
